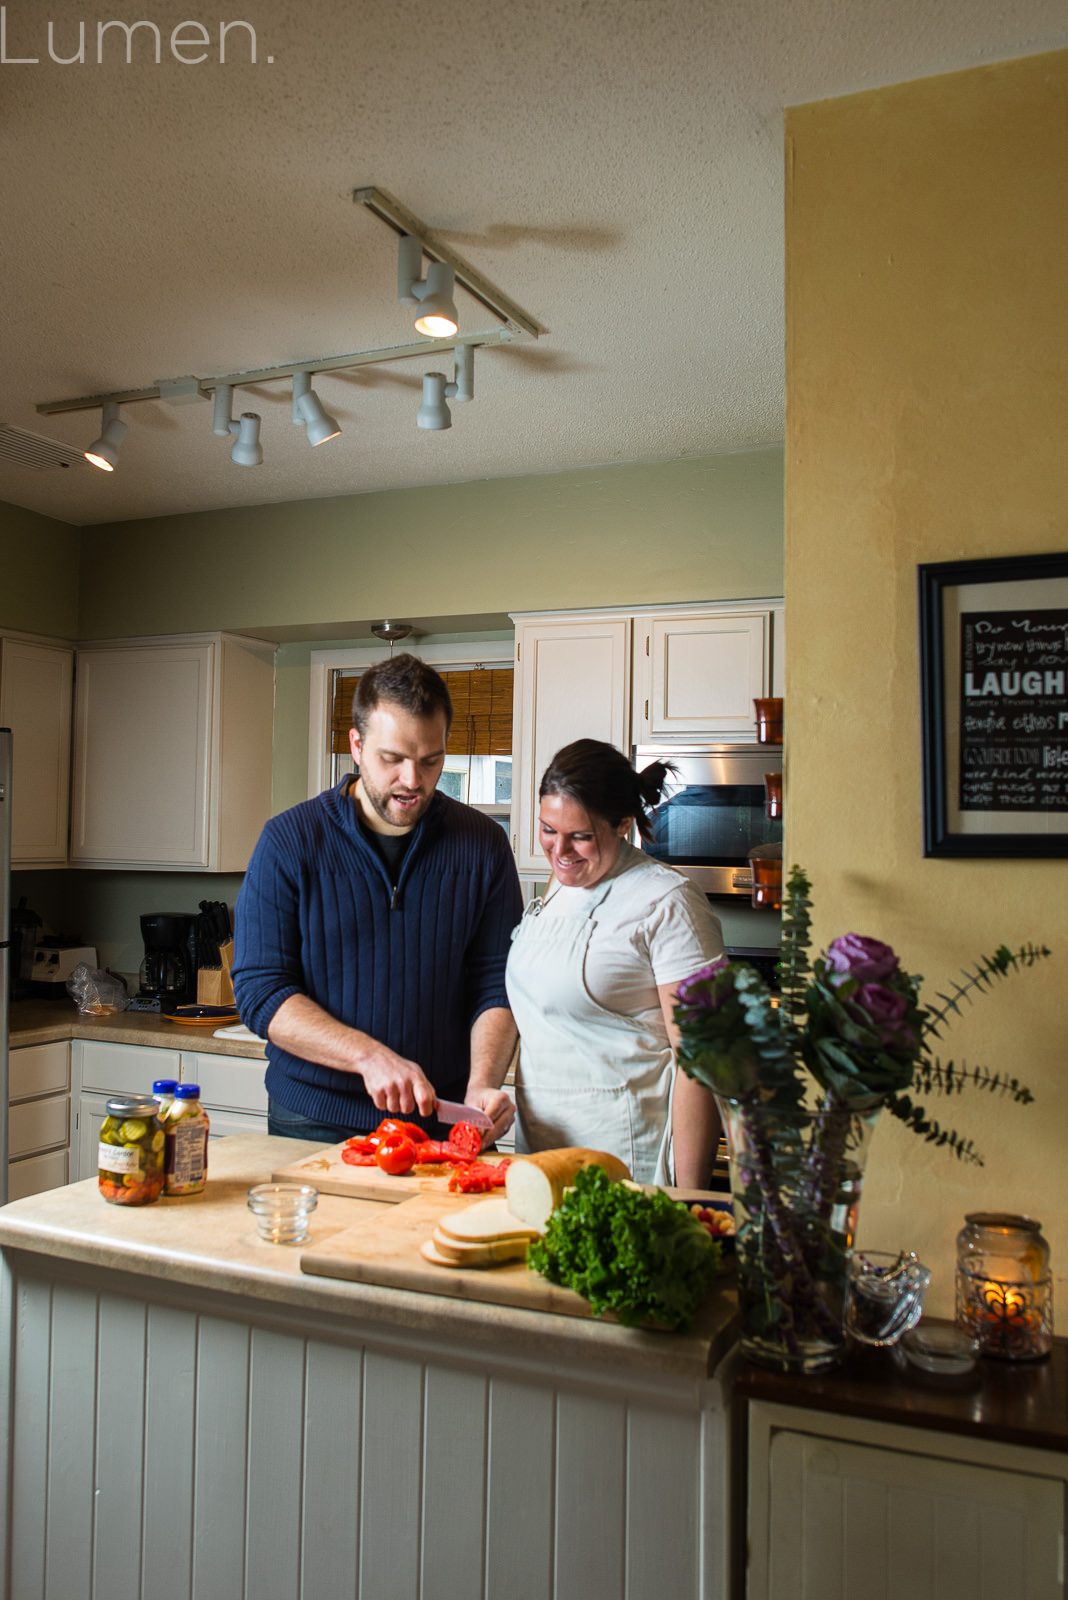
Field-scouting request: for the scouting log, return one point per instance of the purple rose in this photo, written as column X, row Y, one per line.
column 853, row 956
column 886, row 1011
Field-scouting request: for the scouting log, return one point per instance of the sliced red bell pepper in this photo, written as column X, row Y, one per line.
column 479, row 1178
column 357, row 1158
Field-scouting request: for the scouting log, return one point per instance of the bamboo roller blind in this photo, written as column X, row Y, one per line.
column 481, row 704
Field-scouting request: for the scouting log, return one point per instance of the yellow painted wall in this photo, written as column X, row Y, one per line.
column 927, row 420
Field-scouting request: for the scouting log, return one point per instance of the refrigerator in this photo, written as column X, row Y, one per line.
column 5, row 943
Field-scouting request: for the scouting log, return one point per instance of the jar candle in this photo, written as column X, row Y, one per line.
column 1004, row 1285
column 769, row 720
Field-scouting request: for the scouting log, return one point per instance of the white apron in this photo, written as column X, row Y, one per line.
column 586, row 1075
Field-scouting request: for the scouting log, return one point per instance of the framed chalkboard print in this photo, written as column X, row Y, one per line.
column 994, row 692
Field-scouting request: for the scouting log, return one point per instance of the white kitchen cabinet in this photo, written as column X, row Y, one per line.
column 172, row 752
column 652, row 675
column 842, row 1506
column 35, row 703
column 572, row 681
column 698, row 672
column 232, row 1089
column 38, row 1118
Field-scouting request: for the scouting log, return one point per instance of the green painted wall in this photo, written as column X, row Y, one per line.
column 704, row 529
column 40, row 566
column 684, row 530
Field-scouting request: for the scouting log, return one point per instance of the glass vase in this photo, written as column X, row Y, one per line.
column 796, row 1178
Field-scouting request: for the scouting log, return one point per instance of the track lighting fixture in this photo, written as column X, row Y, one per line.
column 247, row 450
column 434, row 414
column 438, row 318
column 308, row 411
column 104, row 453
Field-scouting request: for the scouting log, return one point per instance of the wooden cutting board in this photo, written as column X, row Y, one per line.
column 385, row 1250
column 330, row 1175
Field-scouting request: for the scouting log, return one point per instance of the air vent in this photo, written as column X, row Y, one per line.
column 34, row 451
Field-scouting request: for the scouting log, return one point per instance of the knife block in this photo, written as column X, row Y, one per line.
column 214, row 987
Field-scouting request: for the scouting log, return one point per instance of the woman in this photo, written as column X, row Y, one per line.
column 592, row 976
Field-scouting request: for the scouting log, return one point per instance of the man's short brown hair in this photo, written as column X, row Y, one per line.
column 404, row 681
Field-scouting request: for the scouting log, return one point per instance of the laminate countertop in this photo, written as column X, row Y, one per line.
column 44, row 1021
column 209, row 1242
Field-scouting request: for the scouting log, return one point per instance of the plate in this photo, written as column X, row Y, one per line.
column 201, row 1016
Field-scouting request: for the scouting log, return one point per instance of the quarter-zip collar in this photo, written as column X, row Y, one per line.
column 346, row 813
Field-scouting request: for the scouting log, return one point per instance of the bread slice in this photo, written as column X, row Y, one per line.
column 490, row 1254
column 534, row 1185
column 485, row 1222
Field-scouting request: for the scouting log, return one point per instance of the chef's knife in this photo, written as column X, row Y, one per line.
column 449, row 1111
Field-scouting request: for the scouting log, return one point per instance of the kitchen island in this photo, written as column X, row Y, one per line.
column 191, row 1415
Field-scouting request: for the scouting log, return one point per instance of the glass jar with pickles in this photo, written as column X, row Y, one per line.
column 130, row 1152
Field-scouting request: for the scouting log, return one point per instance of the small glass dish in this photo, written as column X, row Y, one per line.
column 884, row 1295
column 282, row 1210
column 940, row 1348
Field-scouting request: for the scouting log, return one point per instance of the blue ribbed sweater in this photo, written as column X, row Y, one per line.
column 412, row 964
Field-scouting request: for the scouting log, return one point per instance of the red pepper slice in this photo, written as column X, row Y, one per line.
column 362, row 1147
column 410, row 1130
column 357, row 1158
column 479, row 1178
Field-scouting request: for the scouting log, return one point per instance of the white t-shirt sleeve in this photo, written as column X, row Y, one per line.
column 648, row 935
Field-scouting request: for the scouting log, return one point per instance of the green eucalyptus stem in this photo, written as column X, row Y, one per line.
column 788, row 1244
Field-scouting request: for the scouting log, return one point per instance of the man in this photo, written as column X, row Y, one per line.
column 372, row 929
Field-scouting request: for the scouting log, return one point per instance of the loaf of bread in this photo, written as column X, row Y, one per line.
column 534, row 1185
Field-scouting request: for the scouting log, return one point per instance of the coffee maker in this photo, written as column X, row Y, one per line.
column 168, row 972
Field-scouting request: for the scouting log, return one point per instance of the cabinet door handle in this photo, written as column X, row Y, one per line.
column 647, row 711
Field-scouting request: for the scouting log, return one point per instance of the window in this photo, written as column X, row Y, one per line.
column 478, row 766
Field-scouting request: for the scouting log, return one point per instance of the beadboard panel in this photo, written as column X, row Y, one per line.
column 171, row 1375
column 162, row 1448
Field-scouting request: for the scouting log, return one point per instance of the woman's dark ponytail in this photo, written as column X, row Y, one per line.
column 600, row 779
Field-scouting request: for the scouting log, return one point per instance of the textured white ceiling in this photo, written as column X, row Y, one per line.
column 613, row 165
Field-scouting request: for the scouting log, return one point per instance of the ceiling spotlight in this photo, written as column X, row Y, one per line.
column 464, row 386
column 308, row 411
column 104, row 453
column 434, row 414
column 247, row 451
column 438, row 318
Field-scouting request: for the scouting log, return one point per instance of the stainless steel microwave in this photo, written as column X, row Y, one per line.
column 712, row 812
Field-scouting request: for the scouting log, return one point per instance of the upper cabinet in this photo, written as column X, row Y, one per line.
column 663, row 675
column 172, row 752
column 572, row 681
column 35, row 697
column 697, row 673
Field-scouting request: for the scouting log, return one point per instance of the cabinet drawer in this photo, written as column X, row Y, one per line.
column 227, row 1081
column 38, row 1125
column 36, row 1174
column 125, row 1068
column 38, row 1069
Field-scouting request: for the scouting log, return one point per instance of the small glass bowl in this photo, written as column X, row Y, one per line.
column 940, row 1348
column 282, row 1210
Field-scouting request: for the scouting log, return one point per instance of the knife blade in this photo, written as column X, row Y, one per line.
column 450, row 1111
